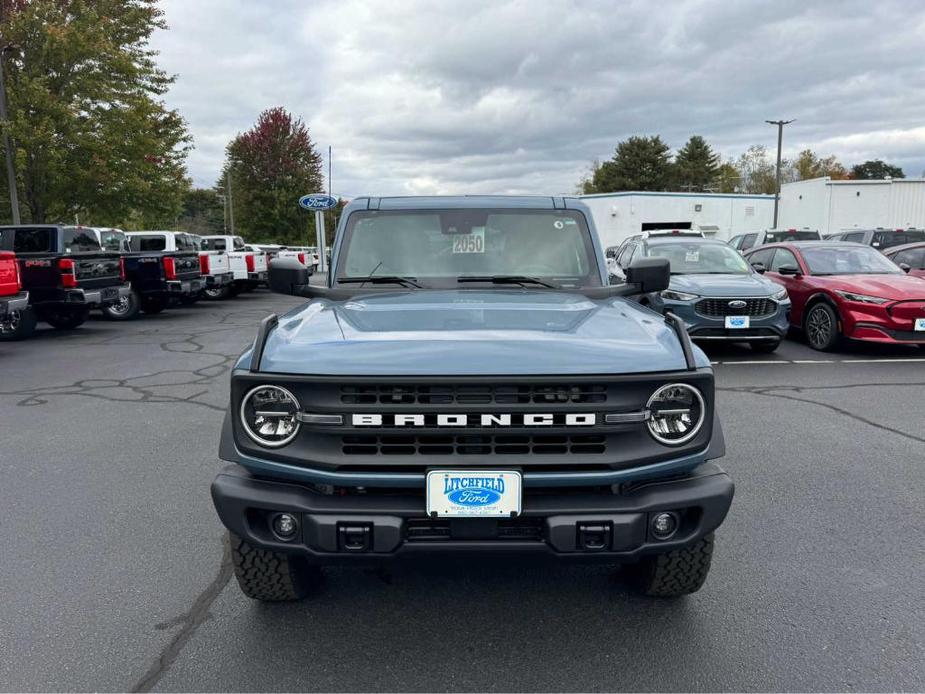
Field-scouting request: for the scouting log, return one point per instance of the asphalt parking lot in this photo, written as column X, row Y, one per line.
column 114, row 574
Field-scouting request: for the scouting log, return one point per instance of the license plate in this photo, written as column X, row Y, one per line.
column 473, row 493
column 920, row 324
column 470, row 243
column 736, row 322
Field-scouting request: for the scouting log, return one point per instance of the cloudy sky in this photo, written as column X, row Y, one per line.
column 506, row 97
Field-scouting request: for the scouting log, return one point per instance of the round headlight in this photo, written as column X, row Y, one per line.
column 676, row 413
column 269, row 415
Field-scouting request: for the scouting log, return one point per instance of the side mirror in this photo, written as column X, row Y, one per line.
column 288, row 276
column 789, row 270
column 905, row 267
column 759, row 268
column 651, row 274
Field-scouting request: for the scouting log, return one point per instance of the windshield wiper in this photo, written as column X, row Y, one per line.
column 382, row 279
column 507, row 279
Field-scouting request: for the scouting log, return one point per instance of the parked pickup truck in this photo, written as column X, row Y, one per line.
column 65, row 272
column 467, row 381
column 13, row 300
column 216, row 271
column 249, row 267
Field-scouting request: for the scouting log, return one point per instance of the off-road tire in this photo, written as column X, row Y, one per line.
column 216, row 293
column 65, row 319
column 679, row 572
column 152, row 306
column 18, row 325
column 765, row 346
column 130, row 308
column 271, row 576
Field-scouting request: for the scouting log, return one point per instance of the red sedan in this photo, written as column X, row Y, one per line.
column 909, row 255
column 845, row 290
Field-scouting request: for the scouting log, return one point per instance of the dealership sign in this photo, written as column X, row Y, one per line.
column 317, row 201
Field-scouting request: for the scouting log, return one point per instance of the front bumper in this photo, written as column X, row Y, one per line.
column 97, row 297
column 770, row 327
column 891, row 324
column 184, row 287
column 394, row 525
column 11, row 304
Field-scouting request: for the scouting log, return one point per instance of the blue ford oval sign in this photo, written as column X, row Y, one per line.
column 474, row 496
column 317, row 201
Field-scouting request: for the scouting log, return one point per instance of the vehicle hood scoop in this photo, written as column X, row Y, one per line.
column 472, row 332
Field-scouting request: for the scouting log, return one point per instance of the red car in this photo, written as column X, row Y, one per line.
column 909, row 255
column 845, row 290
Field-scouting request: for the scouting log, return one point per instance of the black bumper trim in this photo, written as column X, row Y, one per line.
column 245, row 503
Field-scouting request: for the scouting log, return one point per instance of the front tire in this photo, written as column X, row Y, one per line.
column 126, row 308
column 17, row 325
column 676, row 573
column 271, row 576
column 65, row 318
column 821, row 328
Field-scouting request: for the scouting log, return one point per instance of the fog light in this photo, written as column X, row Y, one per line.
column 285, row 525
column 664, row 525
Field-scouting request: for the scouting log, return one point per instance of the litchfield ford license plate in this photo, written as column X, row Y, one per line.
column 473, row 493
column 736, row 321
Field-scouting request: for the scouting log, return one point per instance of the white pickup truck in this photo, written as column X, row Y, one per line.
column 214, row 267
column 248, row 267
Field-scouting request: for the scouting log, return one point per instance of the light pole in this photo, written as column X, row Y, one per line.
column 780, row 137
column 7, row 144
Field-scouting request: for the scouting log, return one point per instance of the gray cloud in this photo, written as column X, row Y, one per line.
column 495, row 97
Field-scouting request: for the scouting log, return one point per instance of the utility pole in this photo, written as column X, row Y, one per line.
column 780, row 137
column 230, row 200
column 8, row 145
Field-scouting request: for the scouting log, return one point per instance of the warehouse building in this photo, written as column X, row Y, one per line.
column 831, row 206
column 721, row 216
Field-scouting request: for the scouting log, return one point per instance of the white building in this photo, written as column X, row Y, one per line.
column 830, row 206
column 618, row 215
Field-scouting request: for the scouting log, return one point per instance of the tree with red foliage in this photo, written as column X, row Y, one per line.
column 272, row 165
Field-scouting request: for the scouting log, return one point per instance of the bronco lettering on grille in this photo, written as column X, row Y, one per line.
column 579, row 419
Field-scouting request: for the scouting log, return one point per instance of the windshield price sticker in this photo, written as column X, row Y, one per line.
column 692, row 257
column 470, row 243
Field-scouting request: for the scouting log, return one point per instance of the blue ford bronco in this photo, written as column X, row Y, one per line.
column 467, row 381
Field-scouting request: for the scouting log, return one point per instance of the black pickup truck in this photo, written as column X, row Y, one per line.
column 65, row 272
column 157, row 271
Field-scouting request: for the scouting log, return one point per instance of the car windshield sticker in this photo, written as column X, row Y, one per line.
column 692, row 257
column 473, row 242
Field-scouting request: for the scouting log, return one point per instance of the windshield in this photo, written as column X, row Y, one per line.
column 848, row 260
column 777, row 236
column 701, row 258
column 886, row 239
column 452, row 244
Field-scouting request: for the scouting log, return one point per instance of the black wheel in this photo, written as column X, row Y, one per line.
column 821, row 327
column 271, row 576
column 189, row 300
column 125, row 308
column 765, row 346
column 65, row 318
column 679, row 572
column 17, row 325
column 152, row 306
column 216, row 293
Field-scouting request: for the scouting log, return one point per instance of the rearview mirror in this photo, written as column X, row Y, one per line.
column 651, row 274
column 288, row 276
column 789, row 270
column 759, row 268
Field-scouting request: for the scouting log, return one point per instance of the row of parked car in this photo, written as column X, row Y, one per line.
column 866, row 285
column 58, row 273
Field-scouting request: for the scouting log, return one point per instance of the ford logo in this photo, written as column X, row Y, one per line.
column 317, row 201
column 474, row 496
column 738, row 303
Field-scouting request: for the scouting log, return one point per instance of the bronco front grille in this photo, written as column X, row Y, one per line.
column 479, row 394
column 718, row 308
column 474, row 445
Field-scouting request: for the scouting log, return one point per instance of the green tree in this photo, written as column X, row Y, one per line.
column 695, row 165
column 272, row 165
column 639, row 163
column 727, row 179
column 203, row 212
column 757, row 171
column 808, row 165
column 92, row 137
column 876, row 169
